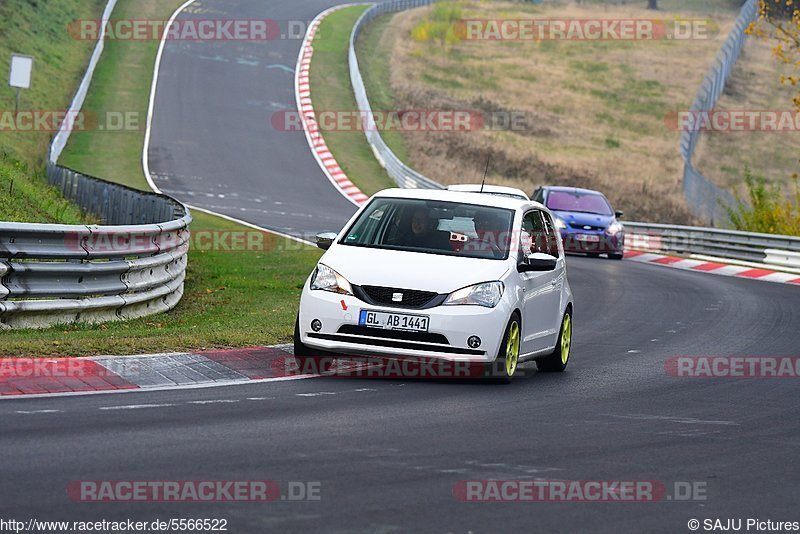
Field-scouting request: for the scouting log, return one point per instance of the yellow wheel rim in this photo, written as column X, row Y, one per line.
column 512, row 349
column 566, row 338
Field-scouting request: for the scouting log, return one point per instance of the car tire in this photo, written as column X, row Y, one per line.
column 615, row 256
column 309, row 360
column 505, row 365
column 557, row 361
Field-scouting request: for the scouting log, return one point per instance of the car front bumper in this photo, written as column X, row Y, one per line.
column 449, row 328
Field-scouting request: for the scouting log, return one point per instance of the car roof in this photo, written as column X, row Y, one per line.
column 461, row 197
column 577, row 190
column 488, row 188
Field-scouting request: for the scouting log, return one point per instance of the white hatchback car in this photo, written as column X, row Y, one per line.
column 499, row 190
column 440, row 274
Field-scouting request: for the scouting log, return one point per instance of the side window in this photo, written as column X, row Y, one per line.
column 538, row 196
column 551, row 236
column 367, row 228
column 533, row 225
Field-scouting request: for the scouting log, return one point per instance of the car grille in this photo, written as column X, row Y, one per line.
column 592, row 228
column 424, row 337
column 412, row 298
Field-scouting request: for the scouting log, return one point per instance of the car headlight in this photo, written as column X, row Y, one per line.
column 560, row 224
column 614, row 228
column 487, row 294
column 327, row 279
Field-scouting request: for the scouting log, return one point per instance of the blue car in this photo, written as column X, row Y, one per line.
column 585, row 219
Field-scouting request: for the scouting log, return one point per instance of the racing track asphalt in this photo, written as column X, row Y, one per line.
column 388, row 452
column 213, row 143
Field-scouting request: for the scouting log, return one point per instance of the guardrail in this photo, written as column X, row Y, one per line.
column 706, row 200
column 402, row 174
column 778, row 250
column 134, row 265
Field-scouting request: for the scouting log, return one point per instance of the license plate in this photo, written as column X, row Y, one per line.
column 588, row 237
column 393, row 321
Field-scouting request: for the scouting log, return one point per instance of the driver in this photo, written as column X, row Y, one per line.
column 424, row 233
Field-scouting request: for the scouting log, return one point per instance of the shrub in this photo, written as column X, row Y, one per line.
column 441, row 26
column 769, row 211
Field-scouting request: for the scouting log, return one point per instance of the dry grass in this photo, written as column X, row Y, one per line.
column 754, row 85
column 596, row 109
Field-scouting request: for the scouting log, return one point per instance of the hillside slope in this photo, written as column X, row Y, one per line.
column 38, row 28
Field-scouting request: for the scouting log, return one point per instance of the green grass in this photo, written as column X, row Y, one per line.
column 589, row 67
column 374, row 61
column 231, row 299
column 442, row 82
column 24, row 197
column 39, row 29
column 331, row 91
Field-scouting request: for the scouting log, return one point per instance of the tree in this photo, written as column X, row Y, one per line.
column 779, row 20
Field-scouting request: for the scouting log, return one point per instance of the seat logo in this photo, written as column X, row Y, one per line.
column 397, row 297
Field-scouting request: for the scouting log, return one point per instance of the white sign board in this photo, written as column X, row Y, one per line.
column 20, row 75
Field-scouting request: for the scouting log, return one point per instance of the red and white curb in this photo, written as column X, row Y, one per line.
column 105, row 374
column 309, row 120
column 739, row 271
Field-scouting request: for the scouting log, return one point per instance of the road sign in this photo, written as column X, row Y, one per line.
column 20, row 75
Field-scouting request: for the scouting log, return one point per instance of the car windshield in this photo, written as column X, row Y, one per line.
column 433, row 227
column 581, row 202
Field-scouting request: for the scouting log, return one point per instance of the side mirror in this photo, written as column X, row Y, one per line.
column 537, row 261
column 325, row 240
column 618, row 214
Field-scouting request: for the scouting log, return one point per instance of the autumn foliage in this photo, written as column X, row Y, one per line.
column 779, row 20
column 768, row 210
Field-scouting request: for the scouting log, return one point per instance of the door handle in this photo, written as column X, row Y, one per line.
column 553, row 283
